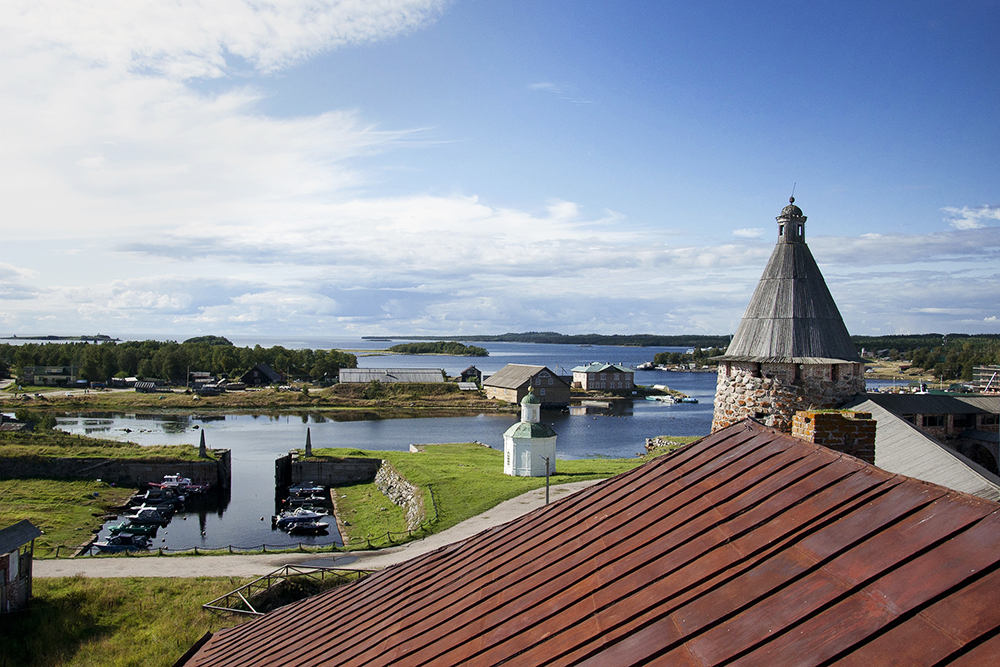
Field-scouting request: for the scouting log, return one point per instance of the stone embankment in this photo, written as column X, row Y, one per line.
column 396, row 488
column 125, row 472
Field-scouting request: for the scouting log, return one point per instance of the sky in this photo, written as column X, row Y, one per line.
column 433, row 167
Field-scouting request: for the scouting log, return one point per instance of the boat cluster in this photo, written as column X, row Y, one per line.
column 305, row 506
column 147, row 511
column 670, row 400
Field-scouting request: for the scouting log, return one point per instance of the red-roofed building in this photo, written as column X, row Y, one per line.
column 749, row 546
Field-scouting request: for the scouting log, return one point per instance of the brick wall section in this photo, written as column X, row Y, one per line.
column 848, row 432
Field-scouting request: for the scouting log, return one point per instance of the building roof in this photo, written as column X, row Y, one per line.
column 530, row 430
column 391, row 374
column 748, row 545
column 936, row 404
column 16, row 536
column 792, row 317
column 598, row 367
column 513, row 376
column 266, row 371
column 901, row 447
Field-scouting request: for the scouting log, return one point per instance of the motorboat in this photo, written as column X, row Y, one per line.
column 308, row 528
column 306, row 489
column 134, row 528
column 286, row 519
column 123, row 542
column 689, row 399
column 145, row 515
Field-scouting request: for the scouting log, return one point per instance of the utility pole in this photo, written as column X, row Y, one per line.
column 546, row 479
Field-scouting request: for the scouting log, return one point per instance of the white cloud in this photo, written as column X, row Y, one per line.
column 971, row 218
column 187, row 38
column 748, row 233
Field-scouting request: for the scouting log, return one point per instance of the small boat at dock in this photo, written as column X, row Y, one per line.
column 308, row 528
column 123, row 542
column 134, row 528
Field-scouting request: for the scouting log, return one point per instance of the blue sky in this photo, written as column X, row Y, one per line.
column 419, row 166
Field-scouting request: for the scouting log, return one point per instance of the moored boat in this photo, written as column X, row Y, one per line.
column 145, row 515
column 286, row 519
column 123, row 542
column 134, row 528
column 308, row 528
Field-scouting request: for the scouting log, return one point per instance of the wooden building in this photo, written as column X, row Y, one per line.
column 511, row 384
column 17, row 546
column 261, row 375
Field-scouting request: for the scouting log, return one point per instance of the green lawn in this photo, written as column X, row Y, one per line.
column 63, row 509
column 466, row 479
column 77, row 622
column 61, row 444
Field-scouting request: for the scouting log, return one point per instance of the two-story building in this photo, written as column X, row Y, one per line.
column 48, row 376
column 603, row 377
column 511, row 384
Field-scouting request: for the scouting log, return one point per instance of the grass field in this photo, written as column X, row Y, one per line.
column 467, row 479
column 77, row 622
column 63, row 509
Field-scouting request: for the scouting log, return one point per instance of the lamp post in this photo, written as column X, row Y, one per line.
column 546, row 479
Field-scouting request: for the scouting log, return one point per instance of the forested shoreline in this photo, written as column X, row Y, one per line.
column 172, row 361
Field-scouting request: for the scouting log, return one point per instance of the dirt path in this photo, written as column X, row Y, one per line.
column 255, row 565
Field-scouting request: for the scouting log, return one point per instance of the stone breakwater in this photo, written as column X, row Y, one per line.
column 397, row 489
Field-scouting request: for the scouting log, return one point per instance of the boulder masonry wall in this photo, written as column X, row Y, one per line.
column 126, row 472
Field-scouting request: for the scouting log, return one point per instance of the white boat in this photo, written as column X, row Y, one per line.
column 286, row 519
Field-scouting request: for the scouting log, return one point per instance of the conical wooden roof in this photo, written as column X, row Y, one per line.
column 792, row 317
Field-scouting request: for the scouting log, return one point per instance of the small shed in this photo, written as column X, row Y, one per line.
column 17, row 546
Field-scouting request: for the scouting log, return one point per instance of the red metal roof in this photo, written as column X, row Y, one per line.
column 750, row 546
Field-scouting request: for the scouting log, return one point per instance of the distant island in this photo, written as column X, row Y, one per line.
column 98, row 338
column 621, row 340
column 441, row 347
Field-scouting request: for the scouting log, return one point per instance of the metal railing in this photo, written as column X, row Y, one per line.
column 242, row 599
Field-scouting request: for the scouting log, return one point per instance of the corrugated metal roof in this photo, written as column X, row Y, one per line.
column 936, row 404
column 749, row 546
column 901, row 447
column 792, row 314
column 16, row 536
column 391, row 375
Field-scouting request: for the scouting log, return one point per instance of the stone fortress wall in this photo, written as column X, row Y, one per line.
column 772, row 392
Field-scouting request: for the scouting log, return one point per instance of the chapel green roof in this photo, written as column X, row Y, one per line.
column 530, row 430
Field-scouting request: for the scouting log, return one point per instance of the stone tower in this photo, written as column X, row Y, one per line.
column 529, row 442
column 791, row 351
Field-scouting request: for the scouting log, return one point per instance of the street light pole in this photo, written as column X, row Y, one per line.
column 546, row 479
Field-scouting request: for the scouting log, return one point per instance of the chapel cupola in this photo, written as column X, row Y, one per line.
column 791, row 224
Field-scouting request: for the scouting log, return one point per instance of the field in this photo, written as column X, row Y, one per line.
column 460, row 480
column 77, row 622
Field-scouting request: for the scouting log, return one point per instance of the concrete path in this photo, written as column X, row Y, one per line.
column 261, row 564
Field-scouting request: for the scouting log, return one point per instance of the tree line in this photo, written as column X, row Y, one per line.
column 171, row 360
column 441, row 347
column 700, row 357
column 955, row 358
